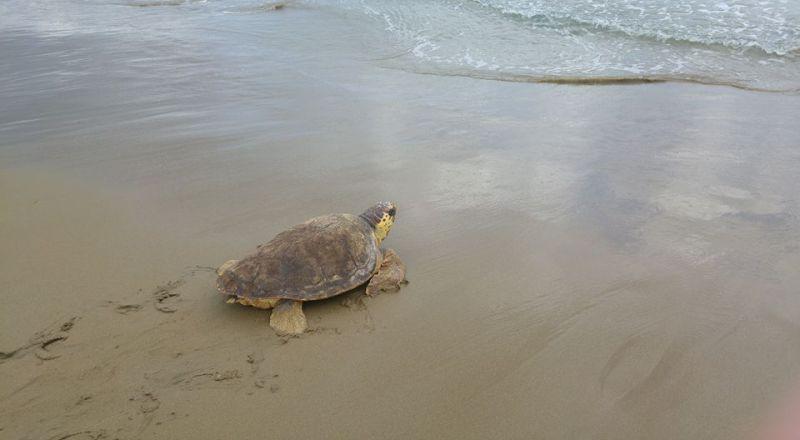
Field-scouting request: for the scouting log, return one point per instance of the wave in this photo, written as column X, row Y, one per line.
column 563, row 20
column 568, row 42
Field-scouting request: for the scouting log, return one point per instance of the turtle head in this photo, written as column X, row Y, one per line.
column 381, row 217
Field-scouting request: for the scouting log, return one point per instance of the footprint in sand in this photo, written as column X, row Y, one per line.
column 41, row 342
column 124, row 309
column 193, row 379
column 353, row 302
column 165, row 298
column 262, row 383
column 148, row 403
column 255, row 362
column 356, row 302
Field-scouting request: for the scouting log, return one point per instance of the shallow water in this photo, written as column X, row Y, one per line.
column 585, row 262
column 752, row 44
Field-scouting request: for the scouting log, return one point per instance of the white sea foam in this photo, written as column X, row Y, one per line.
column 752, row 44
column 744, row 43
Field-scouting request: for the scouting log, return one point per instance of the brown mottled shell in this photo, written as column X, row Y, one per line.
column 320, row 258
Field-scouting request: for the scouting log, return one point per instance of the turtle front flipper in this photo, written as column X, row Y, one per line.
column 391, row 275
column 287, row 318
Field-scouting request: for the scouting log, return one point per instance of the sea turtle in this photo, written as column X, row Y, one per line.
column 318, row 259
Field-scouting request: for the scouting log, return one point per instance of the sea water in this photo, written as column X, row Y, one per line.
column 751, row 44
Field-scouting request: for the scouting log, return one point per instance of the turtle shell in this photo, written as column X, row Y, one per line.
column 320, row 258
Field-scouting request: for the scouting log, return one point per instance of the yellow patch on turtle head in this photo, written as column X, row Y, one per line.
column 383, row 227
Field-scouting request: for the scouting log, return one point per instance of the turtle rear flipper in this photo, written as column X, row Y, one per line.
column 287, row 318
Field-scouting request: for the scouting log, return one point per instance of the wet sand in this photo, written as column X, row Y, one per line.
column 585, row 261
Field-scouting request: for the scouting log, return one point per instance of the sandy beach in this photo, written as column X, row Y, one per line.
column 585, row 261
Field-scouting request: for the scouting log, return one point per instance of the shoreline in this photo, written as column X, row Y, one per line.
column 625, row 80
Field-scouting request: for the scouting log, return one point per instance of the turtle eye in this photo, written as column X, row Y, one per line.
column 392, row 211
